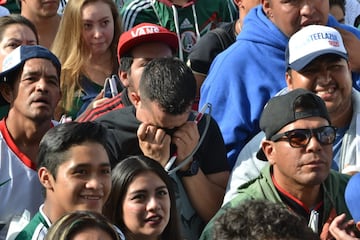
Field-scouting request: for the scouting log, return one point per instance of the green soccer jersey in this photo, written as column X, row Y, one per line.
column 189, row 22
column 37, row 228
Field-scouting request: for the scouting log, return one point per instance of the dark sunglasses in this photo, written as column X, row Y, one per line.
column 299, row 138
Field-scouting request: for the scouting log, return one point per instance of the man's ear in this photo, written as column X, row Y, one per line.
column 269, row 151
column 124, row 78
column 288, row 80
column 267, row 8
column 46, row 178
column 135, row 99
column 238, row 3
column 6, row 92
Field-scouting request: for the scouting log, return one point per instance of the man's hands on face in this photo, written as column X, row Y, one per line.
column 155, row 143
column 185, row 138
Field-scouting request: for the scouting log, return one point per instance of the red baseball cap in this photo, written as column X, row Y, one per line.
column 146, row 32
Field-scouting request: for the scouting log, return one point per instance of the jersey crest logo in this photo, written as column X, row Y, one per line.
column 188, row 40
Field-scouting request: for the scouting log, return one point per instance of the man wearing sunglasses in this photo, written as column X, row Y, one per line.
column 298, row 147
column 320, row 65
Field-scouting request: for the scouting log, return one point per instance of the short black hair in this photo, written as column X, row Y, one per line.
column 340, row 3
column 261, row 220
column 170, row 83
column 125, row 63
column 59, row 139
column 16, row 19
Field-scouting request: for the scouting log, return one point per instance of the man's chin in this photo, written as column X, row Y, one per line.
column 41, row 117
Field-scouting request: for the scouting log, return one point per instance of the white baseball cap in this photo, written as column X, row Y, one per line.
column 311, row 42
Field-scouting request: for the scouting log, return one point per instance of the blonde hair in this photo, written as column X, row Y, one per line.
column 76, row 222
column 69, row 47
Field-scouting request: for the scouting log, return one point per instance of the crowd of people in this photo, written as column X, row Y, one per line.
column 179, row 119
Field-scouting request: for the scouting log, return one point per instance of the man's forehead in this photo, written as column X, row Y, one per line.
column 39, row 62
column 37, row 65
column 309, row 122
column 324, row 60
column 151, row 50
column 166, row 120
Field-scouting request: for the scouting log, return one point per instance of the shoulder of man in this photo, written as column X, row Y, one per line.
column 107, row 106
column 209, row 46
column 240, row 198
column 35, row 229
column 208, row 230
column 334, row 188
column 212, row 150
column 138, row 11
column 336, row 183
column 262, row 187
column 332, row 22
column 119, row 117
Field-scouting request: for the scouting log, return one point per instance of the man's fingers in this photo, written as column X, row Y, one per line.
column 142, row 131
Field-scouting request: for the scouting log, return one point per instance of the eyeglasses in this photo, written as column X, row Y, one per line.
column 299, row 138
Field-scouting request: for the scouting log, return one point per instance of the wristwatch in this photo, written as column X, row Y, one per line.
column 193, row 170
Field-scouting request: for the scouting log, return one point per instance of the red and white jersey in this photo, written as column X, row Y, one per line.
column 20, row 187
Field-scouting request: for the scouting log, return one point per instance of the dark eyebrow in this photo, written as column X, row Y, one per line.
column 162, row 187
column 138, row 191
column 38, row 73
column 101, row 19
column 89, row 165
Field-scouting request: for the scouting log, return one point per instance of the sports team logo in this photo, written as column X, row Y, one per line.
column 188, row 40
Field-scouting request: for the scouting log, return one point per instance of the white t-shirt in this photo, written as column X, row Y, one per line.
column 20, row 187
column 352, row 11
column 4, row 11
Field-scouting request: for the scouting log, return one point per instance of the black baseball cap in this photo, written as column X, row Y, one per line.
column 284, row 109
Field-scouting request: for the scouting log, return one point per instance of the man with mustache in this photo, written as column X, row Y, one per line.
column 248, row 73
column 325, row 70
column 298, row 147
column 30, row 82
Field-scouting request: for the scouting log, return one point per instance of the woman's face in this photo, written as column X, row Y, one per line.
column 98, row 27
column 13, row 36
column 146, row 206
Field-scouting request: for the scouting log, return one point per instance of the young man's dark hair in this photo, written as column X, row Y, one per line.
column 261, row 220
column 55, row 143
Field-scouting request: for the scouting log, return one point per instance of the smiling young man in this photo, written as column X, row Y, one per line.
column 74, row 170
column 30, row 82
column 298, row 147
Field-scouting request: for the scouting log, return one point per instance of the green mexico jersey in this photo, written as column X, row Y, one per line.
column 189, row 22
